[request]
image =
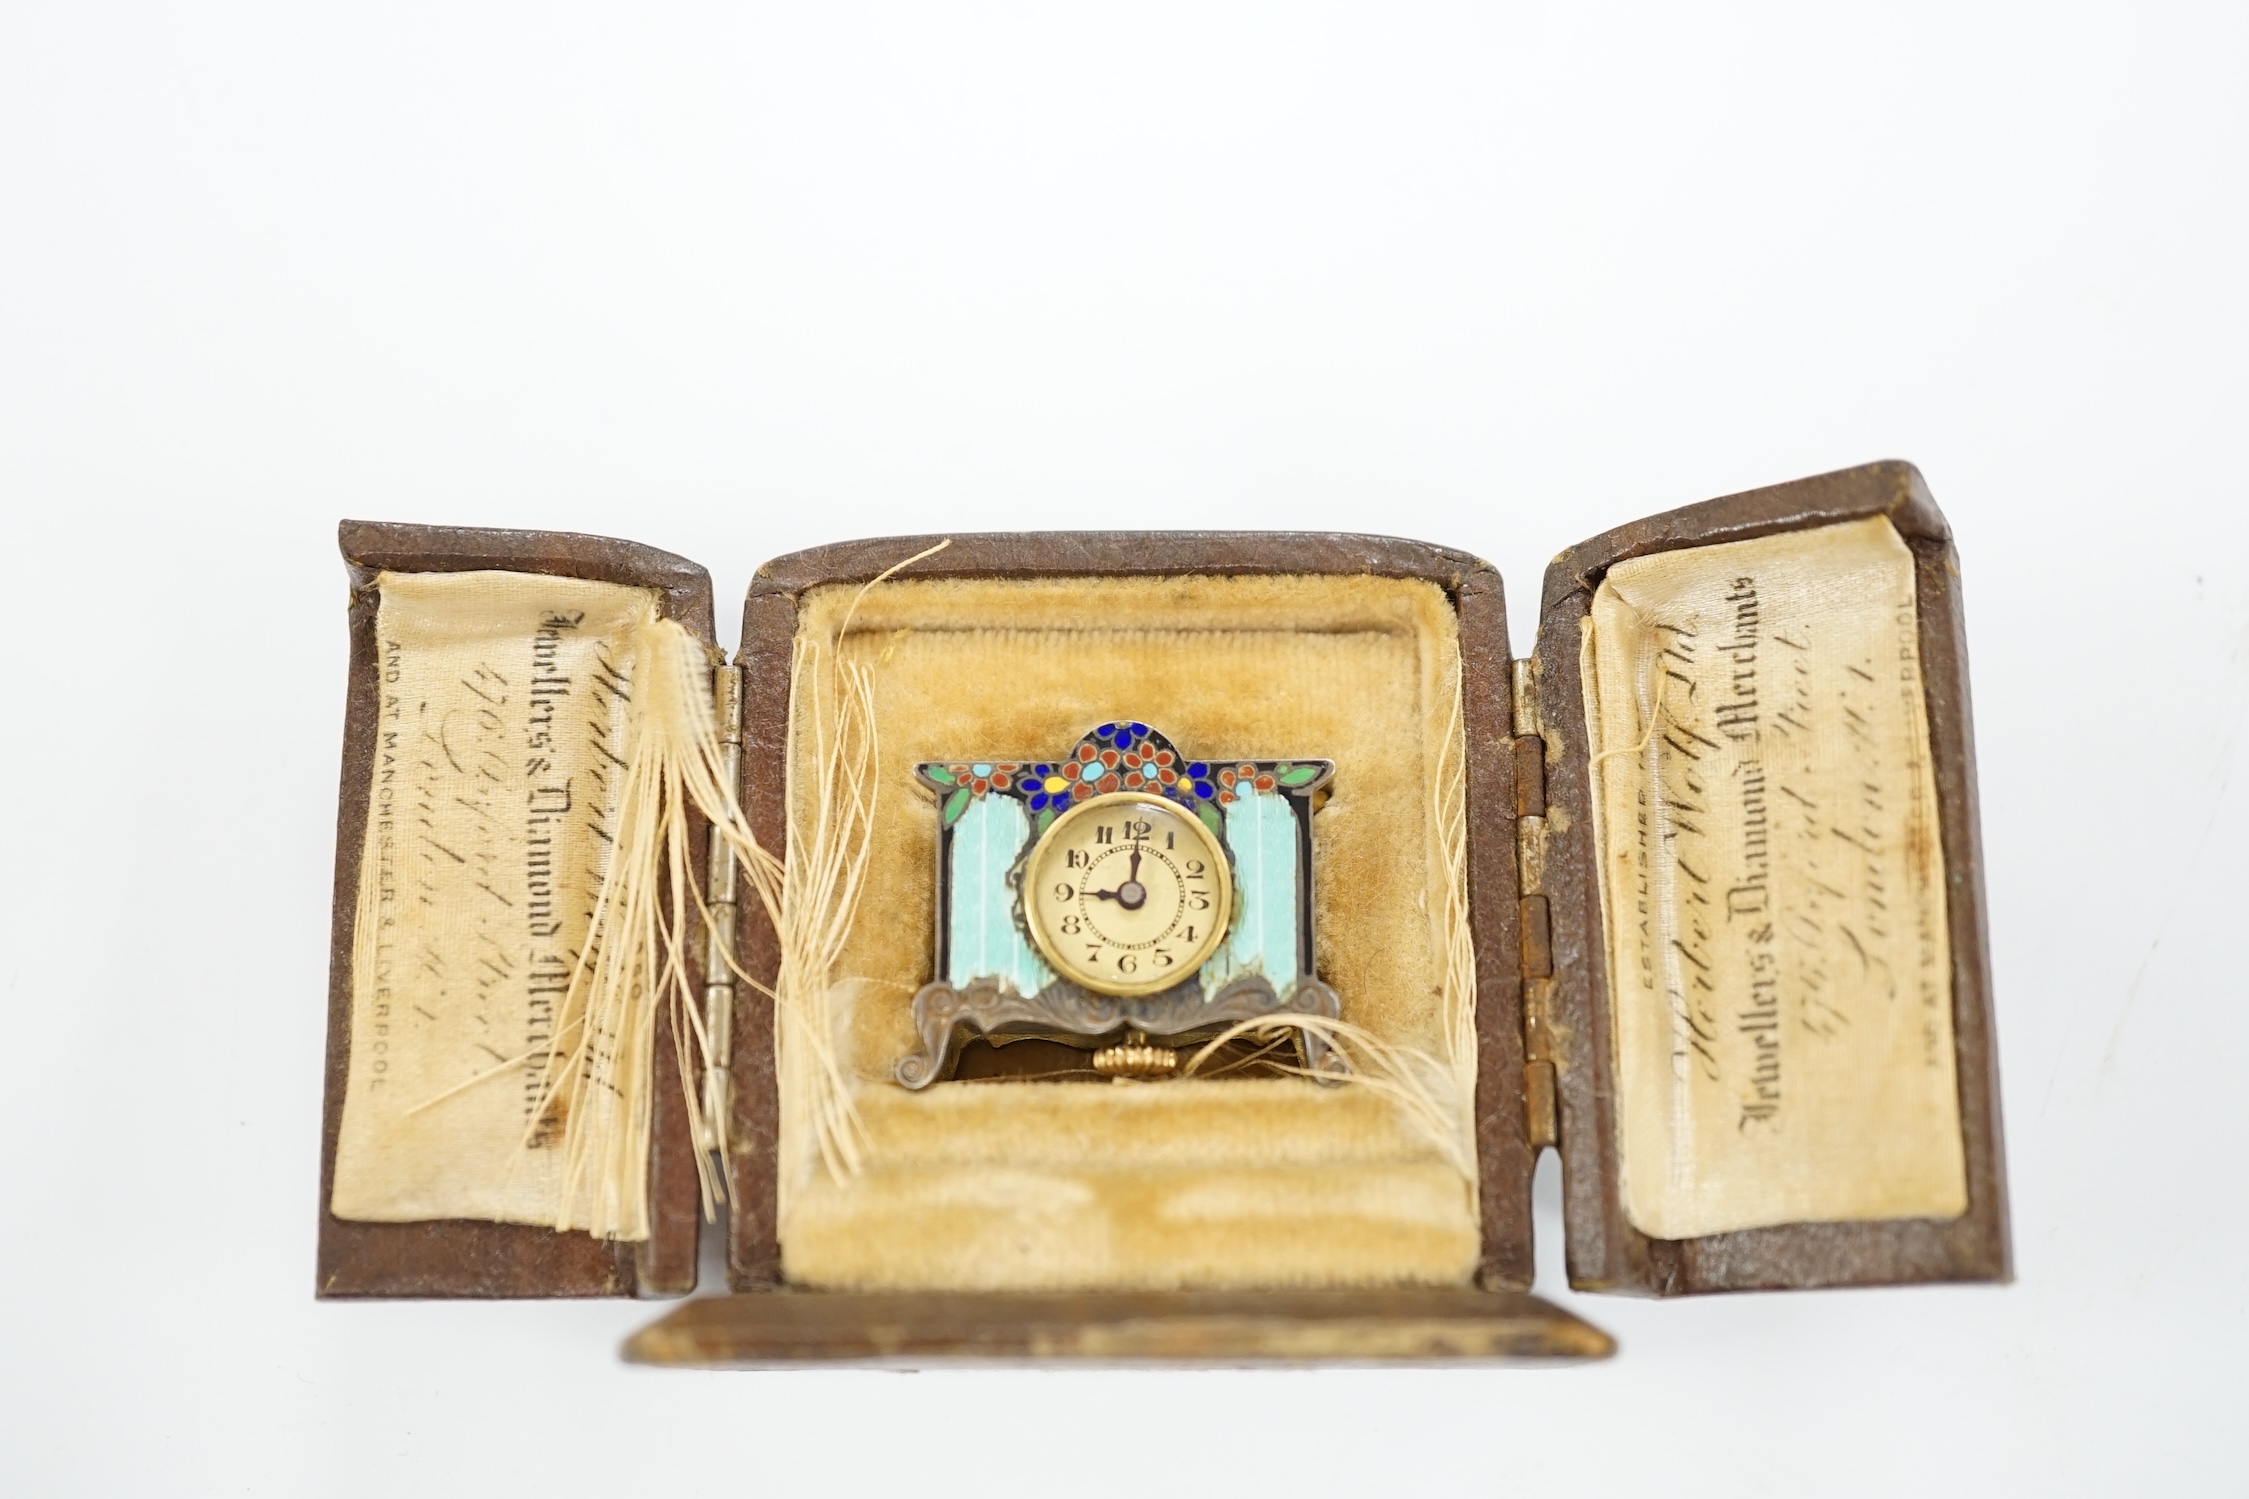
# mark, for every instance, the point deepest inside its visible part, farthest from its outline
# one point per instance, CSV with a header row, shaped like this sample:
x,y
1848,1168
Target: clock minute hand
x,y
1132,895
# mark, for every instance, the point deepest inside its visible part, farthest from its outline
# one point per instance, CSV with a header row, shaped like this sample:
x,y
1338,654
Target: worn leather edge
x,y
1052,554
458,1257
753,1162
769,619
1890,487
371,546
1504,1159
1604,1251
1174,1328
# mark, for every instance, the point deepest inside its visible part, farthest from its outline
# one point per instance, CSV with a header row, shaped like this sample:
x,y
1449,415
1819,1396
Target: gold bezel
x,y
1221,927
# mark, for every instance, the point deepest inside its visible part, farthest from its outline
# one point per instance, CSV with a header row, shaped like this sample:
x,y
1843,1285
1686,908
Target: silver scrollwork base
x,y
945,1017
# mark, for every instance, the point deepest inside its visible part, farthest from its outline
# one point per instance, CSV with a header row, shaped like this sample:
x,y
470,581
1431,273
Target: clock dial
x,y
1127,894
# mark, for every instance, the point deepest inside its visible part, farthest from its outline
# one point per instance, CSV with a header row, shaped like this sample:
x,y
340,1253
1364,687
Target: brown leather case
x,y
1544,1074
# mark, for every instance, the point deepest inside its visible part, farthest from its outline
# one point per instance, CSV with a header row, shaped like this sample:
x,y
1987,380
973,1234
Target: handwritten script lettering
x,y
1773,885
499,729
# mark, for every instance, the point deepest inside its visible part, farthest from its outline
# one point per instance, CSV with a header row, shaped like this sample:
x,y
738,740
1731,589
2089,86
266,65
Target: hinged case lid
x,y
1572,1016
451,1257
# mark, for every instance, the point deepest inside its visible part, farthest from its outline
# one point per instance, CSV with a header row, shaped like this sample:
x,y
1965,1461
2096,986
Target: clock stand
x,y
945,1017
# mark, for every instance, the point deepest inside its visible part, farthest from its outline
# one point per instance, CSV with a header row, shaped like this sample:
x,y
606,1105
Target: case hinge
x,y
1524,682
1543,1117
720,897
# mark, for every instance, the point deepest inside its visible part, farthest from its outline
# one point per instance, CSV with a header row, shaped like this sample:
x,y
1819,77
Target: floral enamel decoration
x,y
1119,756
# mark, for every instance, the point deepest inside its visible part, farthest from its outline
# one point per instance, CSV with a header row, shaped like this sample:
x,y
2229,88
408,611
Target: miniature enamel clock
x,y
1122,897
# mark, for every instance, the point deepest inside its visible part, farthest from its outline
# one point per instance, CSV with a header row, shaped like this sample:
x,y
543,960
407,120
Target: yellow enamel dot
x,y
1055,783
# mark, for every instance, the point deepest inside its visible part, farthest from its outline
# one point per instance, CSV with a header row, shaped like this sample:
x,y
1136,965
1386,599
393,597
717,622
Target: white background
x,y
735,280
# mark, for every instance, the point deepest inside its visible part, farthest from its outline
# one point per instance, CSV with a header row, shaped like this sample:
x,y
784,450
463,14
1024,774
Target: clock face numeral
x,y
1139,887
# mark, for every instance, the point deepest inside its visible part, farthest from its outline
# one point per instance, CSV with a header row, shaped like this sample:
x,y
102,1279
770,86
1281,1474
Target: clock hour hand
x,y
1132,895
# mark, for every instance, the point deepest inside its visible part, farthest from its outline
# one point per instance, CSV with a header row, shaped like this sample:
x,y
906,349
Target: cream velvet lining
x,y
1211,1182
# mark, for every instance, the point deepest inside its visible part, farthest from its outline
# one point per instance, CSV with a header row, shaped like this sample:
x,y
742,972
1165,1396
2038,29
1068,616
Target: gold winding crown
x,y
1136,1061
